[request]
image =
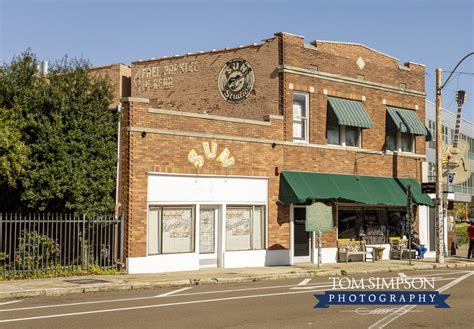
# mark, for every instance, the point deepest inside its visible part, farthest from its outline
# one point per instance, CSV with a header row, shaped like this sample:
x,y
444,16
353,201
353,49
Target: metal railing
x,y
59,243
463,189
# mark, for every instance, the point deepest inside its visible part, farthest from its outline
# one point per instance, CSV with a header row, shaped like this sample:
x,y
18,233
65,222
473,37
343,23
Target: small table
x,y
377,252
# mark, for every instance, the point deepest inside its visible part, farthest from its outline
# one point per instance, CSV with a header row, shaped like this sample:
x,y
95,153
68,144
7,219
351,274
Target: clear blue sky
x,y
433,32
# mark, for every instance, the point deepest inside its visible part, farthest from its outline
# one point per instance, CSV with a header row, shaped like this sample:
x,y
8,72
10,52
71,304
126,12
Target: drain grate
x,y
86,281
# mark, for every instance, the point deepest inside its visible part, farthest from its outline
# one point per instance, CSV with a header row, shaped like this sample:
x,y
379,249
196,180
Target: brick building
x,y
226,154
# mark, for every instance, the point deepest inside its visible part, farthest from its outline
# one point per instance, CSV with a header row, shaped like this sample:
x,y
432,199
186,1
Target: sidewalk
x,y
83,284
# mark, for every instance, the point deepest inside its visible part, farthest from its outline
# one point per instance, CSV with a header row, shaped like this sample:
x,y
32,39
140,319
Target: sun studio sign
x,y
236,81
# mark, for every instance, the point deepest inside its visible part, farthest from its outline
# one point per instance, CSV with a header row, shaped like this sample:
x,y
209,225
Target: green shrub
x,y
36,251
461,233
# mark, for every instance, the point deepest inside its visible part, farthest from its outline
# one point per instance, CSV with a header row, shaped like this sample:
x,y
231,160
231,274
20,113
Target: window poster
x,y
238,221
177,222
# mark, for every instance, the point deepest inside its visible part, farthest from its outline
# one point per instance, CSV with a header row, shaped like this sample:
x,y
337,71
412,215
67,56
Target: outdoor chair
x,y
346,248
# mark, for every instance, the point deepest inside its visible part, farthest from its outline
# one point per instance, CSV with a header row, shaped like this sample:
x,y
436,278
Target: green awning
x,y
302,187
406,121
350,113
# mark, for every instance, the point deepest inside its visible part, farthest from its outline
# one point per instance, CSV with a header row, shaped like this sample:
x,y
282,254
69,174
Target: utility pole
x,y
439,221
410,218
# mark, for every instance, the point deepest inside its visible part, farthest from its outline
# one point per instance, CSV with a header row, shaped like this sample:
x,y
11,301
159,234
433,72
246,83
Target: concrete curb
x,y
208,281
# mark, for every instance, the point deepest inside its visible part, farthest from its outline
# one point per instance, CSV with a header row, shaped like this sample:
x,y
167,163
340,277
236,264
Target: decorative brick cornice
x,y
266,141
339,78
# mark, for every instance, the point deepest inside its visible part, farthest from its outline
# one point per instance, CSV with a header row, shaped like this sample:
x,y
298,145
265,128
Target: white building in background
x,y
458,193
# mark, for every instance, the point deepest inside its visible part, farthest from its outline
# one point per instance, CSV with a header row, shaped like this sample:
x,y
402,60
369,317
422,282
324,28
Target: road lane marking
x,y
291,286
157,306
402,275
401,311
144,298
405,309
169,293
304,282
311,287
11,302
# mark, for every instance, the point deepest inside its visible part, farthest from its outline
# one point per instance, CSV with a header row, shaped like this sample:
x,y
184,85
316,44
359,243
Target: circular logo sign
x,y
236,81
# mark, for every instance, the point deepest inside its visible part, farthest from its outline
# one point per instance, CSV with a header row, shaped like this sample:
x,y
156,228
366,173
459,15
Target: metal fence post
x,y
122,238
83,252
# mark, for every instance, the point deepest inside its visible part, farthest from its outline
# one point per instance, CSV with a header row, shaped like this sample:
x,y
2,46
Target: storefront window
x,y
373,225
245,227
170,230
349,223
397,223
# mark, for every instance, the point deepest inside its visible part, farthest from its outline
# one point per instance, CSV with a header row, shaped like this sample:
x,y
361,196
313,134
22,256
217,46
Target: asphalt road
x,y
264,304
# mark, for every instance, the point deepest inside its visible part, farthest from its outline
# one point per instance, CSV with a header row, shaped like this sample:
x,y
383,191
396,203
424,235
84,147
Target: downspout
x,y
117,179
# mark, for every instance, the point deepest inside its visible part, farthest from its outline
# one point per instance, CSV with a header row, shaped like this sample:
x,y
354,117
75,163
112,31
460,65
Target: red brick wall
x,y
196,89
196,92
119,77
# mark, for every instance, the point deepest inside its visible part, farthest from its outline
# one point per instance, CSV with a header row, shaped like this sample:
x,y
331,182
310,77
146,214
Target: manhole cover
x,y
86,281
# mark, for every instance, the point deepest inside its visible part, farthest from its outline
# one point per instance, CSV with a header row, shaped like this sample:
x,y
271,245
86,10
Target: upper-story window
x,y
432,129
345,120
402,127
444,131
300,117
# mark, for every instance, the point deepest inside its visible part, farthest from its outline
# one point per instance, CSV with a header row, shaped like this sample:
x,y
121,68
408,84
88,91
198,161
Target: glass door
x,y
208,236
301,238
207,231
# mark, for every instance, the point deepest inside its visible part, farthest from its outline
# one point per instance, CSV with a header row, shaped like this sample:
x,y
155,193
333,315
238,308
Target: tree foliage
x,y
13,151
70,133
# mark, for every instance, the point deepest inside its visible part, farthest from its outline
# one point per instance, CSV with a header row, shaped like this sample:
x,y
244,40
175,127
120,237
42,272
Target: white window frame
x,y
342,137
264,228
445,134
304,119
399,143
160,228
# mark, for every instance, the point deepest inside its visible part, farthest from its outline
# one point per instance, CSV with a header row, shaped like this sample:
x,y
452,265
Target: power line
x,y
471,73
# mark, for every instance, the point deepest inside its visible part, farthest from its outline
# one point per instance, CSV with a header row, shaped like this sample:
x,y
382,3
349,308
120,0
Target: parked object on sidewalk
x,y
399,247
348,248
378,252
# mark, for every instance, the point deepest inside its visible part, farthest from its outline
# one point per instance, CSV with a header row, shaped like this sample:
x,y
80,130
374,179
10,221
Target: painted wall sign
x,y
319,217
161,76
236,81
210,152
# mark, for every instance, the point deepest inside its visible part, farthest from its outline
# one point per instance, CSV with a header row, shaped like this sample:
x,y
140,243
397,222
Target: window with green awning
x,y
303,187
406,121
350,113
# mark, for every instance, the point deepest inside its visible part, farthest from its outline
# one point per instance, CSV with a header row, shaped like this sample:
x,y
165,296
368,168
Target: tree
x,y
71,135
13,151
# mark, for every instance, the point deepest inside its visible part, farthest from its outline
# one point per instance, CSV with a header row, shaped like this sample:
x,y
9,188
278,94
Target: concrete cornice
x,y
135,99
266,141
348,80
215,117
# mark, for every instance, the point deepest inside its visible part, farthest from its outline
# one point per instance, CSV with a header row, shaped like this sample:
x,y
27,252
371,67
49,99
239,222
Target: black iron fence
x,y
59,243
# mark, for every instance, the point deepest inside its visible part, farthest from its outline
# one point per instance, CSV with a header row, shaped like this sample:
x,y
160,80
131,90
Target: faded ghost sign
x,y
236,81
158,77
